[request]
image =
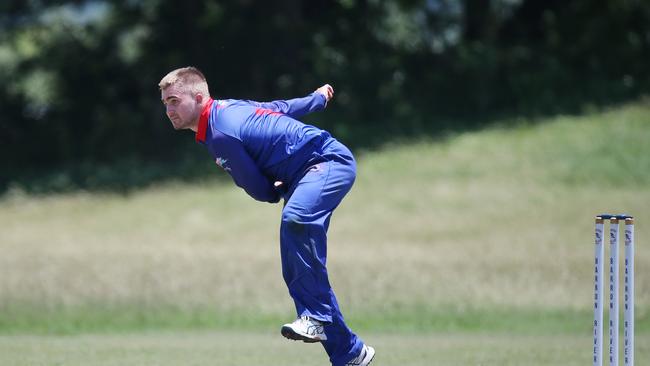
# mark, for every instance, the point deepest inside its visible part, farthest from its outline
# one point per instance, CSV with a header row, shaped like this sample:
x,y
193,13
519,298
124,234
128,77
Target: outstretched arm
x,y
299,107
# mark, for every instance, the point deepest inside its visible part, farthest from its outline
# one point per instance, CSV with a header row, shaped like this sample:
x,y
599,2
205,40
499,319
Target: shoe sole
x,y
289,333
370,355
367,357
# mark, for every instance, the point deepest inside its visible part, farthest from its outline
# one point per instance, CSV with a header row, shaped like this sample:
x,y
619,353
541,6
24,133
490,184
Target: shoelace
x,y
313,326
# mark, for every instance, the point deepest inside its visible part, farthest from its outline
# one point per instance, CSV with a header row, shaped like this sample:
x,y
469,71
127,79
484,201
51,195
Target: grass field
x,y
476,249
237,348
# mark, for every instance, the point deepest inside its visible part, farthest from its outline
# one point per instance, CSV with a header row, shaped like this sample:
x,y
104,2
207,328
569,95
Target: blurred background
x,y
488,135
81,109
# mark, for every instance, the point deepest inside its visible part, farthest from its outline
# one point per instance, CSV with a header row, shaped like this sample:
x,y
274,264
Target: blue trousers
x,y
303,244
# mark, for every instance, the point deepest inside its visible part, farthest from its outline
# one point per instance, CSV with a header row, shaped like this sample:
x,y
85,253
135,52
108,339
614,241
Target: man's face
x,y
181,108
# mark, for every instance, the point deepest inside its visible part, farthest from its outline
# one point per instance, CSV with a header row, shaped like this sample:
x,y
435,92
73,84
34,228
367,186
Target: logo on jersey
x,y
222,163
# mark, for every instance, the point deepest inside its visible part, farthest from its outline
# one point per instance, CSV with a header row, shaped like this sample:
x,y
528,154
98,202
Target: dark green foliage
x,y
79,78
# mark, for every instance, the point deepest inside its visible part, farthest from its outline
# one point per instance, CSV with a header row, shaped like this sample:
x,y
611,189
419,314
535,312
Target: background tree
x,y
80,106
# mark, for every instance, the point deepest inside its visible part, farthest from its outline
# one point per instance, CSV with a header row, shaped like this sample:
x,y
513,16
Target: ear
x,y
198,98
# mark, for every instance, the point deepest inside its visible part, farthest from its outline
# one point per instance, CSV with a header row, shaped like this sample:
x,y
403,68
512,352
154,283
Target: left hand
x,y
327,91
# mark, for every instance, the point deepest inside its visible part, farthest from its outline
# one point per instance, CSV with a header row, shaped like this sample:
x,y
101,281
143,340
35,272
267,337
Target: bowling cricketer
x,y
270,154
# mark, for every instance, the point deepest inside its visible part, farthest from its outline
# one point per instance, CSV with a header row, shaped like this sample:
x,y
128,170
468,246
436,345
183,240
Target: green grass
x,y
412,319
264,348
483,235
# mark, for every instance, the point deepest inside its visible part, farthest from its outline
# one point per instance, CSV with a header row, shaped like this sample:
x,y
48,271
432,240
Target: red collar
x,y
203,122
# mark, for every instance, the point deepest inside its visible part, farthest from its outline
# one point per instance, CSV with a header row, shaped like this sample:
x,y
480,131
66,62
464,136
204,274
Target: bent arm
x,y
233,158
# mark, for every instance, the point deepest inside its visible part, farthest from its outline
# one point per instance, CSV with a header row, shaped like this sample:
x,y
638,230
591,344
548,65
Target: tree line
x,y
79,78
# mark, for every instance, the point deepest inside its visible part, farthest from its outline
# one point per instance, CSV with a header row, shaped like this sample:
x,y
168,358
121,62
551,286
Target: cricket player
x,y
272,155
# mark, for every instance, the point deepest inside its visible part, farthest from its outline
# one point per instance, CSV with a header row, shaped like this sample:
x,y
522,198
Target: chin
x,y
177,126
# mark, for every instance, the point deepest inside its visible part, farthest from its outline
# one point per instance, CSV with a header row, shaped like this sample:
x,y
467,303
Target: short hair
x,y
189,78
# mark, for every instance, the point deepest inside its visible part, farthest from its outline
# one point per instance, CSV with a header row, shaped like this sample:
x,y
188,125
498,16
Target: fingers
x,y
330,90
327,91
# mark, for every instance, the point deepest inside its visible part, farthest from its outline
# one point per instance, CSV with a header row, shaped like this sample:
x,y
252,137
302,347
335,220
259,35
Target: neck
x,y
195,124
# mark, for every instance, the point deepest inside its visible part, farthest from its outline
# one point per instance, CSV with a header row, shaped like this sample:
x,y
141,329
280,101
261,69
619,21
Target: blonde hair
x,y
189,79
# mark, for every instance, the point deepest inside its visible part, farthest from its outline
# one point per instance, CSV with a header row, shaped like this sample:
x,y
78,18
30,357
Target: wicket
x,y
628,305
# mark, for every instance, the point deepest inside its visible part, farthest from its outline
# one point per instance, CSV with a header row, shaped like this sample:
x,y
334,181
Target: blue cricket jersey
x,y
260,143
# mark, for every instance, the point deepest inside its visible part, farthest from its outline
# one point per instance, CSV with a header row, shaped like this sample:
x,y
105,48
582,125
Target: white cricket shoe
x,y
304,329
364,358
